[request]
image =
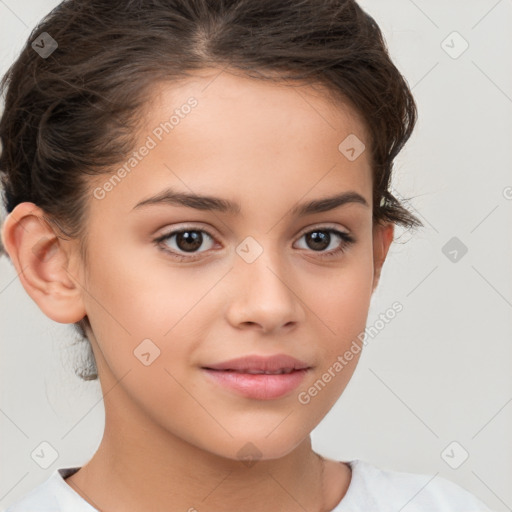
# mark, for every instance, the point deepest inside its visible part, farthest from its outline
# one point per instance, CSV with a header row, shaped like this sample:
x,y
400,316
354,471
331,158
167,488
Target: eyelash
x,y
347,240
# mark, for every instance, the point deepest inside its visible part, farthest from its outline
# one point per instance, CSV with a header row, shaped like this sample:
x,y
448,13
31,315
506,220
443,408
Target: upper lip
x,y
260,363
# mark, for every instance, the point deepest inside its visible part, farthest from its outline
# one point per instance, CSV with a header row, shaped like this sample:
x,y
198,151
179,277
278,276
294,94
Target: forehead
x,y
217,131
233,94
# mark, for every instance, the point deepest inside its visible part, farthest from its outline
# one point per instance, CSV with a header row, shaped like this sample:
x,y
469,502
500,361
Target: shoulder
x,y
373,488
52,495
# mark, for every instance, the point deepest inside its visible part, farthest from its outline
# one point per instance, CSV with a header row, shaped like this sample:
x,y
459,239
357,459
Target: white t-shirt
x,y
371,490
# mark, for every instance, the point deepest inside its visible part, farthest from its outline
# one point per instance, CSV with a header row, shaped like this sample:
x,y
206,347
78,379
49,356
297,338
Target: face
x,y
177,286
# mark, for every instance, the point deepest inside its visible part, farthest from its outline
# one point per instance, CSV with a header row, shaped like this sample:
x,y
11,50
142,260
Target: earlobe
x,y
42,261
382,238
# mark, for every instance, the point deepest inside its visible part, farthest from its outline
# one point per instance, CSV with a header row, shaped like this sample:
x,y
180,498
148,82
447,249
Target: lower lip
x,y
259,386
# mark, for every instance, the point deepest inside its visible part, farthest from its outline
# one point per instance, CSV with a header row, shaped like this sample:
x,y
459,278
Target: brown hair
x,y
74,113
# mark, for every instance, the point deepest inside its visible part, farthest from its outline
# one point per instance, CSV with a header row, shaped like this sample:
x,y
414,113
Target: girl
x,y
203,188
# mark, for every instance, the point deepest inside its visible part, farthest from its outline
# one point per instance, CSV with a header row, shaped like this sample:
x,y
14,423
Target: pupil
x,y
189,240
320,239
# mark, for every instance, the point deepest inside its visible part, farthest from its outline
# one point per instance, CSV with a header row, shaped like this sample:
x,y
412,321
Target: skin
x,y
172,437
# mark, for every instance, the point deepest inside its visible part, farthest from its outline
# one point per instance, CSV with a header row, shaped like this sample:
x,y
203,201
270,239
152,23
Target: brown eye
x,y
182,241
318,240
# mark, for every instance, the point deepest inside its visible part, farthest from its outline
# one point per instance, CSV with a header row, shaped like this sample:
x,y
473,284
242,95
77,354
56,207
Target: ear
x,y
382,238
44,263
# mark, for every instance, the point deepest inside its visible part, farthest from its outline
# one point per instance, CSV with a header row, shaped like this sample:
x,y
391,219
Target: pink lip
x,y
259,387
233,374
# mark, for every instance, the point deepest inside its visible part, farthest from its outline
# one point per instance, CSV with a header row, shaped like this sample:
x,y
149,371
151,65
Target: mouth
x,y
275,364
256,372
257,377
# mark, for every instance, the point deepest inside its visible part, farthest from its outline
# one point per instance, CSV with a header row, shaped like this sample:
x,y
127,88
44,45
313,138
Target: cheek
x,y
135,295
341,298
130,302
341,304
342,308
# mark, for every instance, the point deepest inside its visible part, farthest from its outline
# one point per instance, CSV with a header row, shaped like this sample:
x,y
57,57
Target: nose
x,y
264,294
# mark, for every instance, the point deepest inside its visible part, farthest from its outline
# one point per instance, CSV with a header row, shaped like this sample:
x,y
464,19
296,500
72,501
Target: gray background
x,y
440,371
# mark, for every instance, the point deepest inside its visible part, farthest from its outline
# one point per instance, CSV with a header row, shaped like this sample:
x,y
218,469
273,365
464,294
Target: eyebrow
x,y
210,203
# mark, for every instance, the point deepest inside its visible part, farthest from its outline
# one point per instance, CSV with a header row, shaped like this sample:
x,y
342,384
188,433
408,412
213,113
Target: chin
x,y
251,449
